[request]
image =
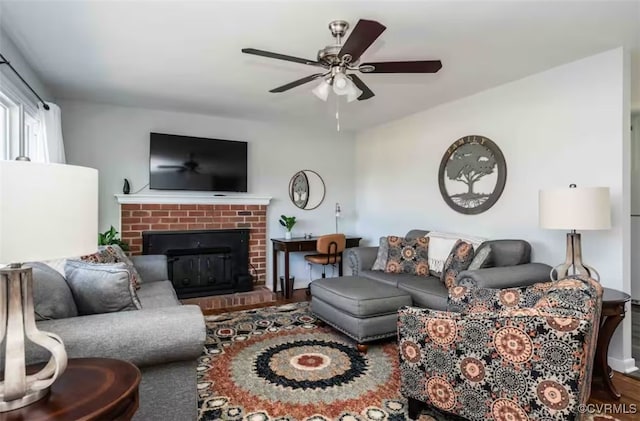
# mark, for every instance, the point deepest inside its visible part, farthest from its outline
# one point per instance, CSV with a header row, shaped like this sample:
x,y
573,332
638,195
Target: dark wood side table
x,y
613,310
296,245
89,389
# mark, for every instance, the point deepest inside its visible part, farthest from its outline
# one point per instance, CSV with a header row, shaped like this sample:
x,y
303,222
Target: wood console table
x,y
89,389
297,245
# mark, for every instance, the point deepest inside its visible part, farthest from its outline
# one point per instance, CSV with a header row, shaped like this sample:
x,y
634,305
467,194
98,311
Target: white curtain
x,y
51,121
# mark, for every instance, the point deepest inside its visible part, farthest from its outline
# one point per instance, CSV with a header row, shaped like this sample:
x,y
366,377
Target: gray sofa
x,y
365,305
510,266
164,339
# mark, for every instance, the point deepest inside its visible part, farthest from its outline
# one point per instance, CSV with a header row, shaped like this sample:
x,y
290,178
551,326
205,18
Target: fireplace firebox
x,y
203,262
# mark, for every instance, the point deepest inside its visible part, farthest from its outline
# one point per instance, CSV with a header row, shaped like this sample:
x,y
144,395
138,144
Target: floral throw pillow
x,y
408,256
459,259
100,256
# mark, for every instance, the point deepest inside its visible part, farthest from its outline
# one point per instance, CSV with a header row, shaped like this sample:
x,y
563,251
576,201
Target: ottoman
x,y
359,307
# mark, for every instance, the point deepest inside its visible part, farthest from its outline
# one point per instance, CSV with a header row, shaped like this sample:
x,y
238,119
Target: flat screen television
x,y
195,163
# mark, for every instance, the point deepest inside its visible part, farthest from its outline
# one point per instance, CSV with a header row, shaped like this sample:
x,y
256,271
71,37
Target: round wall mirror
x,y
306,189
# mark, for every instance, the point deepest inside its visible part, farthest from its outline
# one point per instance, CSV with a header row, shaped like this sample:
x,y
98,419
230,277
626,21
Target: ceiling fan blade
x,y
269,54
424,66
297,83
362,36
366,92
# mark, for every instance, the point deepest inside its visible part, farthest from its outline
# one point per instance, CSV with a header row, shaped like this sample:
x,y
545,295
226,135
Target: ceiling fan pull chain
x,y
337,113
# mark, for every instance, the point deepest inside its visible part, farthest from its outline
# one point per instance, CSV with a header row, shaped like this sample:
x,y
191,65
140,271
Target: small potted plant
x,y
111,237
288,222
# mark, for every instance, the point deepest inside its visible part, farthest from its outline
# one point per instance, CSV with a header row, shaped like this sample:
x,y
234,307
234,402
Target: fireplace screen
x,y
201,263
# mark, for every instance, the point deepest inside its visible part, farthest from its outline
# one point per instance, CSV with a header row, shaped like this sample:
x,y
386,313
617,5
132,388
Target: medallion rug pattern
x,y
278,363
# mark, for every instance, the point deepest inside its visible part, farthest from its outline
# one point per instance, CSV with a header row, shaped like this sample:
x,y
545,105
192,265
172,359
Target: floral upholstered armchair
x,y
512,354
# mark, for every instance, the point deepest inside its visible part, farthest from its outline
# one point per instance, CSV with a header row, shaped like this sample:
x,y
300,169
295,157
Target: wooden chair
x,y
329,250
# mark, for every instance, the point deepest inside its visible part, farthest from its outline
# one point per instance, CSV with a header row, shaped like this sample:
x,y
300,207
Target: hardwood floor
x,y
628,386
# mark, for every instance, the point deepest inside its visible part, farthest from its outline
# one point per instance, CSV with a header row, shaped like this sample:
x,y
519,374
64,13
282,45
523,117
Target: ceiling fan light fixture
x,y
322,90
341,84
353,93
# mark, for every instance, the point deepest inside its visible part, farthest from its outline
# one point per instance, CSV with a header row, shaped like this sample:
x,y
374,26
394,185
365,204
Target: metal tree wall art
x,y
306,189
299,192
472,174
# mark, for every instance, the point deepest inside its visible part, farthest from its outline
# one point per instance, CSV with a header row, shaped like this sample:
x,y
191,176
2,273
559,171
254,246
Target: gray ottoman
x,y
359,307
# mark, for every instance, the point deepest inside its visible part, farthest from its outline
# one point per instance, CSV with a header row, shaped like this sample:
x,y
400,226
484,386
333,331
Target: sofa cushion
x,y
56,264
101,287
157,294
482,258
383,254
390,279
415,233
114,254
408,255
425,292
100,256
52,298
359,296
508,252
459,259
440,246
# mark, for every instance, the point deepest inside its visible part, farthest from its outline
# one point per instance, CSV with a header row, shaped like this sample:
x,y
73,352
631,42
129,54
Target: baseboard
x,y
623,366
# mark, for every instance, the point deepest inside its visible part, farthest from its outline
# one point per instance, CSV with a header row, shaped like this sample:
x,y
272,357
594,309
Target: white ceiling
x,y
185,55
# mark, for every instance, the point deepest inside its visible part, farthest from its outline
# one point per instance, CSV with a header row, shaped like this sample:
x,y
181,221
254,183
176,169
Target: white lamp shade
x,y
47,211
322,90
578,208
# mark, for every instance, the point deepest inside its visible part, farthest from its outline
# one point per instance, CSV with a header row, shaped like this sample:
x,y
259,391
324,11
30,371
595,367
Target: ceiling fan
x,y
339,59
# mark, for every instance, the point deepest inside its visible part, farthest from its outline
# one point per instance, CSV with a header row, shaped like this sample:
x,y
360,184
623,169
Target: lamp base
x,y
573,261
26,400
17,323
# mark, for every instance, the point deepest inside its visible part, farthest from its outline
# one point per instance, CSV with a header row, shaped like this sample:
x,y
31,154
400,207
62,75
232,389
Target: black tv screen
x,y
195,163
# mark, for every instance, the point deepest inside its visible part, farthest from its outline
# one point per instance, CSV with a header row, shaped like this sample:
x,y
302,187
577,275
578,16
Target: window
x,y
4,132
35,147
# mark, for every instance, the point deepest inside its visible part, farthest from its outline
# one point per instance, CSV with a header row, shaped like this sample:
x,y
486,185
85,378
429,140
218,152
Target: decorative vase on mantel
x,y
287,235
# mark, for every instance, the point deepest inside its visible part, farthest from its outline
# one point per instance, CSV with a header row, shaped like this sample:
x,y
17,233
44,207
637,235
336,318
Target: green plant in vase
x,y
288,222
110,237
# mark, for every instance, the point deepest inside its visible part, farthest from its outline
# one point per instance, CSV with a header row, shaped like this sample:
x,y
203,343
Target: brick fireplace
x,y
139,213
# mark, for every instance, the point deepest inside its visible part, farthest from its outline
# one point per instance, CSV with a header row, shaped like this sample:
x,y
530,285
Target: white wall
x,y
635,206
11,53
115,140
558,127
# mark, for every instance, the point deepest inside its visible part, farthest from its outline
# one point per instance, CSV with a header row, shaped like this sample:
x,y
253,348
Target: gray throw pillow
x,y
52,297
481,259
101,287
383,255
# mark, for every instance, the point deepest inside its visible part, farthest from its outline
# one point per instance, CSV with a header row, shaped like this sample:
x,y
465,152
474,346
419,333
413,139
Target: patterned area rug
x,y
276,363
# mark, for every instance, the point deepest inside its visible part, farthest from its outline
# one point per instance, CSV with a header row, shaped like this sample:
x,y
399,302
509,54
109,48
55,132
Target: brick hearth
x,y
136,218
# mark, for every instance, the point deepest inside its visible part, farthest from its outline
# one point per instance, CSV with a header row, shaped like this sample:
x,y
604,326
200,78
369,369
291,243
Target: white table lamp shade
x,y
47,211
577,208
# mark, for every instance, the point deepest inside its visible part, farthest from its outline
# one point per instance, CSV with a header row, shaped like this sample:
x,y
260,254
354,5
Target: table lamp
x,y
47,211
574,208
